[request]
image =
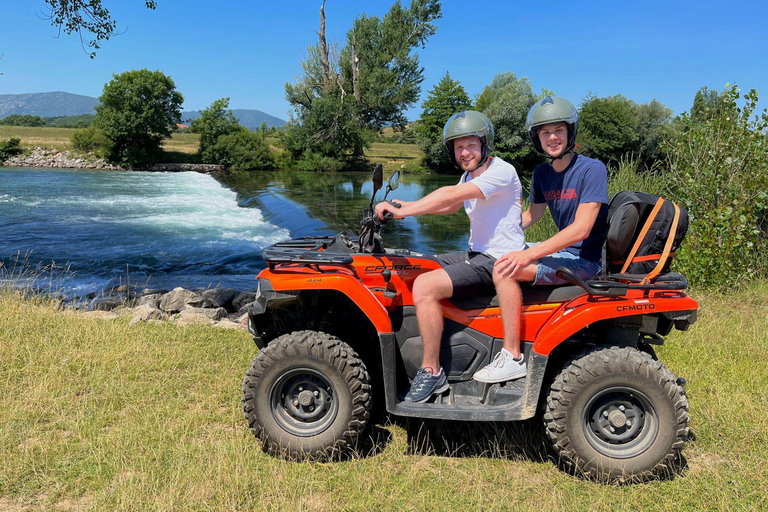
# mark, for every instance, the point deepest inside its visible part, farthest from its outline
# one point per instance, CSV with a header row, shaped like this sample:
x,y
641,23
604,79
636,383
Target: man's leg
x,y
428,290
509,363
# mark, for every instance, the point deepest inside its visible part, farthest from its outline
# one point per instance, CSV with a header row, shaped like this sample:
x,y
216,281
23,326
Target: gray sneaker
x,y
425,385
504,367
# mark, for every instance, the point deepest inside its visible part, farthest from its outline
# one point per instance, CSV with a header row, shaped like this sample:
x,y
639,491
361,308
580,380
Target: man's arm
x,y
443,200
586,214
533,214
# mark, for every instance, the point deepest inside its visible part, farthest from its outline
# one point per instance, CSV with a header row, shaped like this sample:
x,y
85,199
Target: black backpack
x,y
642,234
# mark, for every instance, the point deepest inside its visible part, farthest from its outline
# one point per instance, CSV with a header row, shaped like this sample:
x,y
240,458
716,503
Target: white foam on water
x,y
187,203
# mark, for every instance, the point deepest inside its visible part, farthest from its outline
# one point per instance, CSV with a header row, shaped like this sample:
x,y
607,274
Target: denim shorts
x,y
548,265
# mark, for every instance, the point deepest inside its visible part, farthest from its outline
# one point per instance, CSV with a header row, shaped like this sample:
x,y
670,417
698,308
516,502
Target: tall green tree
x,y
137,110
85,16
345,95
214,121
445,99
609,127
506,101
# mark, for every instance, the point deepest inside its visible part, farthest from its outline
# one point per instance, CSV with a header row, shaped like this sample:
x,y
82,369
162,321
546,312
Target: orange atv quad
x,y
335,321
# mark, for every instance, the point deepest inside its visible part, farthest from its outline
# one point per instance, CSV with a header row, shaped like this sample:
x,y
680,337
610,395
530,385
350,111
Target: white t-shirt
x,y
496,222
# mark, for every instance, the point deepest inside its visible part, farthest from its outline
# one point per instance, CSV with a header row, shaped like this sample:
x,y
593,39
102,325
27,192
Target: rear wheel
x,y
616,414
307,396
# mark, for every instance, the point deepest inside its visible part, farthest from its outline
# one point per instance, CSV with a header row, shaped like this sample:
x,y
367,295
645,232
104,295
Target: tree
x,y
706,104
345,96
445,99
506,101
653,126
137,110
22,120
84,16
609,127
214,121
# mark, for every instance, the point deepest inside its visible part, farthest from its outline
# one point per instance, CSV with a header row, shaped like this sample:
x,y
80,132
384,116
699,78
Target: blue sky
x,y
247,50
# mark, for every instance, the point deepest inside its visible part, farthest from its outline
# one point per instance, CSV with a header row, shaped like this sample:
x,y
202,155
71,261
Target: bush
x,y
718,170
311,161
242,151
90,140
9,148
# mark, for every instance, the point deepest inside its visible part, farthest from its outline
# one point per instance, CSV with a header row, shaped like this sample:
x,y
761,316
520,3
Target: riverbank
x,y
42,158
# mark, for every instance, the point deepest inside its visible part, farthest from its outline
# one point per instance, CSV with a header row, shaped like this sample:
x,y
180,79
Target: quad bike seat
x,y
531,295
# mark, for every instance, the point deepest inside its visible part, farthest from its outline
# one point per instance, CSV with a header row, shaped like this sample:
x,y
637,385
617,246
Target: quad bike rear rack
x,y
309,250
617,285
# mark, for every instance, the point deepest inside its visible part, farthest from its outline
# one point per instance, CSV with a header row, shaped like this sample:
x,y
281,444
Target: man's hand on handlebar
x,y
388,207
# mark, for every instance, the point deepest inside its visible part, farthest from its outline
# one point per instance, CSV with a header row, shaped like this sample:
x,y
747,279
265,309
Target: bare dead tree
x,y
324,60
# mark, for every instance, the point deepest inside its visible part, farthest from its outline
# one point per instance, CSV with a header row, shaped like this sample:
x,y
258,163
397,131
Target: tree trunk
x,y
325,61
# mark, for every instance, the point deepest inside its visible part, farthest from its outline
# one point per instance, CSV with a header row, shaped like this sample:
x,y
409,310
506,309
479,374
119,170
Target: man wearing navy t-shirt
x,y
575,189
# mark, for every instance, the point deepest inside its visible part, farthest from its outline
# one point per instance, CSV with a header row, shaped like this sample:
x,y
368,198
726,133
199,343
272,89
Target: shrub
x,y
242,151
90,140
9,148
718,170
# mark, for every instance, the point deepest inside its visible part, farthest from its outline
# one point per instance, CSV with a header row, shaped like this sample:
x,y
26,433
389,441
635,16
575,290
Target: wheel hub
x,y
303,402
620,422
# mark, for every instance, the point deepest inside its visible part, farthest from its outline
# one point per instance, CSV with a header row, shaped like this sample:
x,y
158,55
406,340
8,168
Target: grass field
x,y
60,138
100,415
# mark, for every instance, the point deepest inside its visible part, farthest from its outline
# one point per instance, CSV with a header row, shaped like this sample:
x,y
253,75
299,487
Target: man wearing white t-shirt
x,y
491,194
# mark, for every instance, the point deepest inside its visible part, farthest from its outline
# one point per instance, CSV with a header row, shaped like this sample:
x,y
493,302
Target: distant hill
x,y
46,104
56,104
251,119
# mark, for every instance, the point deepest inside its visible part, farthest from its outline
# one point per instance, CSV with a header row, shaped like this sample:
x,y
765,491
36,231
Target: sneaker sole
x,y
501,379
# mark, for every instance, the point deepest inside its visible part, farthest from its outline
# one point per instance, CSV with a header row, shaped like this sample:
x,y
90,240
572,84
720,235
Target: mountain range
x,y
54,104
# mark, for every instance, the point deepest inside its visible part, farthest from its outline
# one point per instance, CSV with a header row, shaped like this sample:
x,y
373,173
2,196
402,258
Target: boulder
x,y
209,314
151,299
147,313
106,303
219,298
179,298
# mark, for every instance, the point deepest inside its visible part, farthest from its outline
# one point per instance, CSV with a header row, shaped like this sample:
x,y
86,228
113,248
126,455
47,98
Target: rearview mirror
x,y
378,177
394,181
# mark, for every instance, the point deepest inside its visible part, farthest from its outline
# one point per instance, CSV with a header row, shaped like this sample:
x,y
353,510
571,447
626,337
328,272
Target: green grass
x,y
106,416
395,157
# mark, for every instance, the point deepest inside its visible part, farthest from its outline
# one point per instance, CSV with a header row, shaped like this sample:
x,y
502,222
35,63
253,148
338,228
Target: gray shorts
x,y
548,265
471,272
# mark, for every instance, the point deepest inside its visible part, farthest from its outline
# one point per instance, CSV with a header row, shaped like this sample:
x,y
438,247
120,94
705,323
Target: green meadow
x,y
102,415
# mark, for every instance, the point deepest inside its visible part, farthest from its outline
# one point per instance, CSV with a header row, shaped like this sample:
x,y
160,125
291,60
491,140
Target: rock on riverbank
x,y
221,307
41,158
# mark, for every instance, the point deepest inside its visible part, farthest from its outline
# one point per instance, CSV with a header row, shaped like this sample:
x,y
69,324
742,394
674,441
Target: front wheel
x,y
616,414
307,396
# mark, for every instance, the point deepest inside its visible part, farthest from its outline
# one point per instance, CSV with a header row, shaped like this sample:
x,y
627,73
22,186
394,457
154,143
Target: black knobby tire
x,y
617,414
307,396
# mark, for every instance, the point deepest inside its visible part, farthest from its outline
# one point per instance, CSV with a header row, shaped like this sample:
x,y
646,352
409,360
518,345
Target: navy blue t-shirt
x,y
585,180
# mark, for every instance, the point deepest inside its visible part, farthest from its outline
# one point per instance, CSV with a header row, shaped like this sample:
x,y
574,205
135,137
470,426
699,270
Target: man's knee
x,y
428,287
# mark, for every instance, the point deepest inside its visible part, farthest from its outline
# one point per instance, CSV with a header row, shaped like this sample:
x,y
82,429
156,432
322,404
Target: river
x,y
84,231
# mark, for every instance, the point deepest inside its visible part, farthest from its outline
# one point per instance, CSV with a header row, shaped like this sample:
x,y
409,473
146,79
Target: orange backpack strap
x,y
642,234
667,247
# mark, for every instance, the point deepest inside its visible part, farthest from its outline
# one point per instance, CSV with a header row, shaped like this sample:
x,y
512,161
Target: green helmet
x,y
552,110
469,123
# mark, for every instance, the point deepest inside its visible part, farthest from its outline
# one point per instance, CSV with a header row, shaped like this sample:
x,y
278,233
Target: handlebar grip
x,y
395,204
388,217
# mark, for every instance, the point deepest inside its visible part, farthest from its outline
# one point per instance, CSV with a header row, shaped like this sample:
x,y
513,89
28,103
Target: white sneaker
x,y
504,367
